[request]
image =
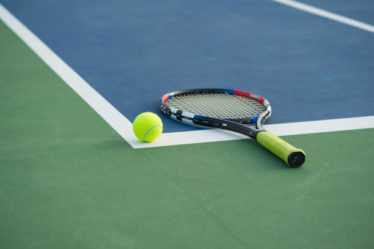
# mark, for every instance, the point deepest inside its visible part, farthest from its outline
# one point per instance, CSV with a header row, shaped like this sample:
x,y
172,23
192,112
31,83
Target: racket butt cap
x,y
296,159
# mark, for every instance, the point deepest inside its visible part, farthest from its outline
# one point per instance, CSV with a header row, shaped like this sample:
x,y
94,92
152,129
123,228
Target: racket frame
x,y
238,125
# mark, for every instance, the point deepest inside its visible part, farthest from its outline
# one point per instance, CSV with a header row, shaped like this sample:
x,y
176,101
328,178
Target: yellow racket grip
x,y
293,156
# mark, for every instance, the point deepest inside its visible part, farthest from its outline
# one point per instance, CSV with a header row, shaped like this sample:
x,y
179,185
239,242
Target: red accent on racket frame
x,y
250,95
165,98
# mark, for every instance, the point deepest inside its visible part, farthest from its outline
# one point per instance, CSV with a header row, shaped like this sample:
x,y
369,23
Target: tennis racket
x,y
232,110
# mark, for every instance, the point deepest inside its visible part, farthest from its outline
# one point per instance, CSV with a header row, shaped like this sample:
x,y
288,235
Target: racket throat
x,y
226,125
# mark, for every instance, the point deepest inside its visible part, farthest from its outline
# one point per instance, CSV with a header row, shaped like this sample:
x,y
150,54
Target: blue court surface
x,y
132,52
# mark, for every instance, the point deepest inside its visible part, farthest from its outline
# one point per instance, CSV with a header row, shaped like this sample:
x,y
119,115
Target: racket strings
x,y
217,105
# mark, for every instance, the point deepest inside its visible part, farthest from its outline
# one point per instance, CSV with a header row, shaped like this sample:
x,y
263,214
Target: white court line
x,y
124,127
286,129
110,114
327,14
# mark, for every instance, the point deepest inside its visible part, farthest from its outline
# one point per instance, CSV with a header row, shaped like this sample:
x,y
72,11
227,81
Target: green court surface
x,y
67,180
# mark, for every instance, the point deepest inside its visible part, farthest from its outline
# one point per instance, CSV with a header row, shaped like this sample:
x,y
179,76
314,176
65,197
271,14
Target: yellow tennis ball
x,y
147,127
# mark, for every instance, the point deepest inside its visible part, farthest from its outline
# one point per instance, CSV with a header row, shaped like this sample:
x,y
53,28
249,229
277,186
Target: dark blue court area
x,y
132,52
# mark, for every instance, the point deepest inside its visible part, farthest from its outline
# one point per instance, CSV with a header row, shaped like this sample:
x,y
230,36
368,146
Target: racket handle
x,y
293,156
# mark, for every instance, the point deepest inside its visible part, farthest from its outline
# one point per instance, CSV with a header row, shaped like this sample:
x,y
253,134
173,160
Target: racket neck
x,y
227,125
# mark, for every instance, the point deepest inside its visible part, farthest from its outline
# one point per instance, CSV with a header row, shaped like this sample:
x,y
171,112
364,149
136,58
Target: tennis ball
x,y
147,127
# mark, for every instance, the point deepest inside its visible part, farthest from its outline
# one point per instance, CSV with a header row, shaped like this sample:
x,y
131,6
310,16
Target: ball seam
x,y
146,133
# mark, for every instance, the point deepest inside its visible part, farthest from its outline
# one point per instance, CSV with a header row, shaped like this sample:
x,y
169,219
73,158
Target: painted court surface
x,y
72,175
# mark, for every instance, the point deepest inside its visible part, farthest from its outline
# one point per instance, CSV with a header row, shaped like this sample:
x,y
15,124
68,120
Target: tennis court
x,y
75,74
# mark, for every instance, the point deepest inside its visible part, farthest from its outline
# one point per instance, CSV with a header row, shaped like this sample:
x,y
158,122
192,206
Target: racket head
x,y
225,104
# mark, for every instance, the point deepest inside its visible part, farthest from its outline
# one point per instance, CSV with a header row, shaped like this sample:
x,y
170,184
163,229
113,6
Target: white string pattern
x,y
217,105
